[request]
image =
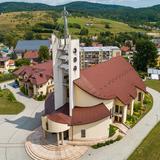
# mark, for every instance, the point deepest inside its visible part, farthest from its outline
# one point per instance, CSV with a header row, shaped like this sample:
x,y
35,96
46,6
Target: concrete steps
x,y
37,148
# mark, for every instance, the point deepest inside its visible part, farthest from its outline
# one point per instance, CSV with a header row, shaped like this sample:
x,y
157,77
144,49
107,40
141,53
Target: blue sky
x,y
133,3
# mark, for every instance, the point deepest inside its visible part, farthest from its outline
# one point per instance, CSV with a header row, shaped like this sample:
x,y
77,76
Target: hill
x,y
115,12
42,22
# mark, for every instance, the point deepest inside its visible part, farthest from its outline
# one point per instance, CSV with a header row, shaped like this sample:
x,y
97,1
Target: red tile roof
x,y
11,62
115,78
80,115
125,49
31,54
86,115
59,118
37,74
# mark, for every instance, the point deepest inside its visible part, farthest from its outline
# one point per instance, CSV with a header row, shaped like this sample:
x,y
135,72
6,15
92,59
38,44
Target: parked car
x,y
15,85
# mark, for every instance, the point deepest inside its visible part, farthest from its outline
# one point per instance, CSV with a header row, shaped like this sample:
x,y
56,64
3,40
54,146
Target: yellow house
x,y
37,80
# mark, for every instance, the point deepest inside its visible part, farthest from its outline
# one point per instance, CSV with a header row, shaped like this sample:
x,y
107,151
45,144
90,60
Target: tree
x,y
145,56
84,31
29,35
43,53
10,39
38,36
22,62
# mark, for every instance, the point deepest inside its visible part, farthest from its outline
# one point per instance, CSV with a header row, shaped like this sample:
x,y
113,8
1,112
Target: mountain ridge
x,y
83,8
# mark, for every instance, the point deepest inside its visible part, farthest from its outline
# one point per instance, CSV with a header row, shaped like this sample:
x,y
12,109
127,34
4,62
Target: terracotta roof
x,y
37,74
86,115
59,118
80,115
112,79
31,55
11,62
125,49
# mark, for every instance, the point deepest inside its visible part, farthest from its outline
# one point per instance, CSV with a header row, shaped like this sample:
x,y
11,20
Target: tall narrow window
x,y
116,108
139,96
47,126
83,133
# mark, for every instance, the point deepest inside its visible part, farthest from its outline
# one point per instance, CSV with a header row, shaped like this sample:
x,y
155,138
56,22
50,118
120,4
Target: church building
x,y
88,101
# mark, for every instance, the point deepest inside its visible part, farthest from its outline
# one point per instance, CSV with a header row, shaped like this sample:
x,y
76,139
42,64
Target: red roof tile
x,y
31,54
37,74
115,78
86,115
125,49
60,118
80,115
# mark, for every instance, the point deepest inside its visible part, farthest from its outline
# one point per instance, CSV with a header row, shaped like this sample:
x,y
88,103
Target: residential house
x,y
37,79
32,56
6,64
30,45
153,73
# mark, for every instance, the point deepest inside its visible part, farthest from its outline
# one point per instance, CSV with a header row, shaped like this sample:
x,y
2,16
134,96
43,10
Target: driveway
x,y
15,129
121,150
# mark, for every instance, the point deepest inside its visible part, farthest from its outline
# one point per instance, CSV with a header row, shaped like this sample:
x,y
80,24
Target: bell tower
x,y
66,66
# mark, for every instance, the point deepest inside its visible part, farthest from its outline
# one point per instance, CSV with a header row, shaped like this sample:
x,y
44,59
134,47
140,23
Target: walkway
x,y
121,150
15,129
123,128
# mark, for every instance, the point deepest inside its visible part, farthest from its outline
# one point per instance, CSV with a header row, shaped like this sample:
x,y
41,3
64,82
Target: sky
x,y
132,3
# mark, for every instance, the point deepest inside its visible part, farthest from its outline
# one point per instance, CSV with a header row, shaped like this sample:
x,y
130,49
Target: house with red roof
x,y
6,64
31,55
36,80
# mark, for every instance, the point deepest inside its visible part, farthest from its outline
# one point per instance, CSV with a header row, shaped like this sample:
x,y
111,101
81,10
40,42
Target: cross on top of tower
x,y
66,31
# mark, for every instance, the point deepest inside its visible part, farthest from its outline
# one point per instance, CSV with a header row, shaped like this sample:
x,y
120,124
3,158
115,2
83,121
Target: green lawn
x,y
99,25
154,84
8,103
149,149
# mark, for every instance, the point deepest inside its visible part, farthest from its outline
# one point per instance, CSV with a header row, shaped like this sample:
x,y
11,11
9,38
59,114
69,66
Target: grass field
x,y
8,104
154,84
149,149
98,25
20,22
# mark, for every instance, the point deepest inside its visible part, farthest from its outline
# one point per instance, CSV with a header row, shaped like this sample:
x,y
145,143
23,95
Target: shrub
x,y
147,99
40,97
84,31
22,62
119,138
6,77
23,90
98,145
112,130
11,97
137,106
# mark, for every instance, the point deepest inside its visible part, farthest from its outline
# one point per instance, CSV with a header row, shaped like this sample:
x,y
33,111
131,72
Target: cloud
x,y
133,3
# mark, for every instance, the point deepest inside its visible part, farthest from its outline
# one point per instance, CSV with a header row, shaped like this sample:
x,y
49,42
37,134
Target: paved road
x,y
15,129
122,149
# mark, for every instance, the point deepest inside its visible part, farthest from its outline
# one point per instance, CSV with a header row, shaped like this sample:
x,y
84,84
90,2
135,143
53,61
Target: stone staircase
x,y
37,148
122,128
